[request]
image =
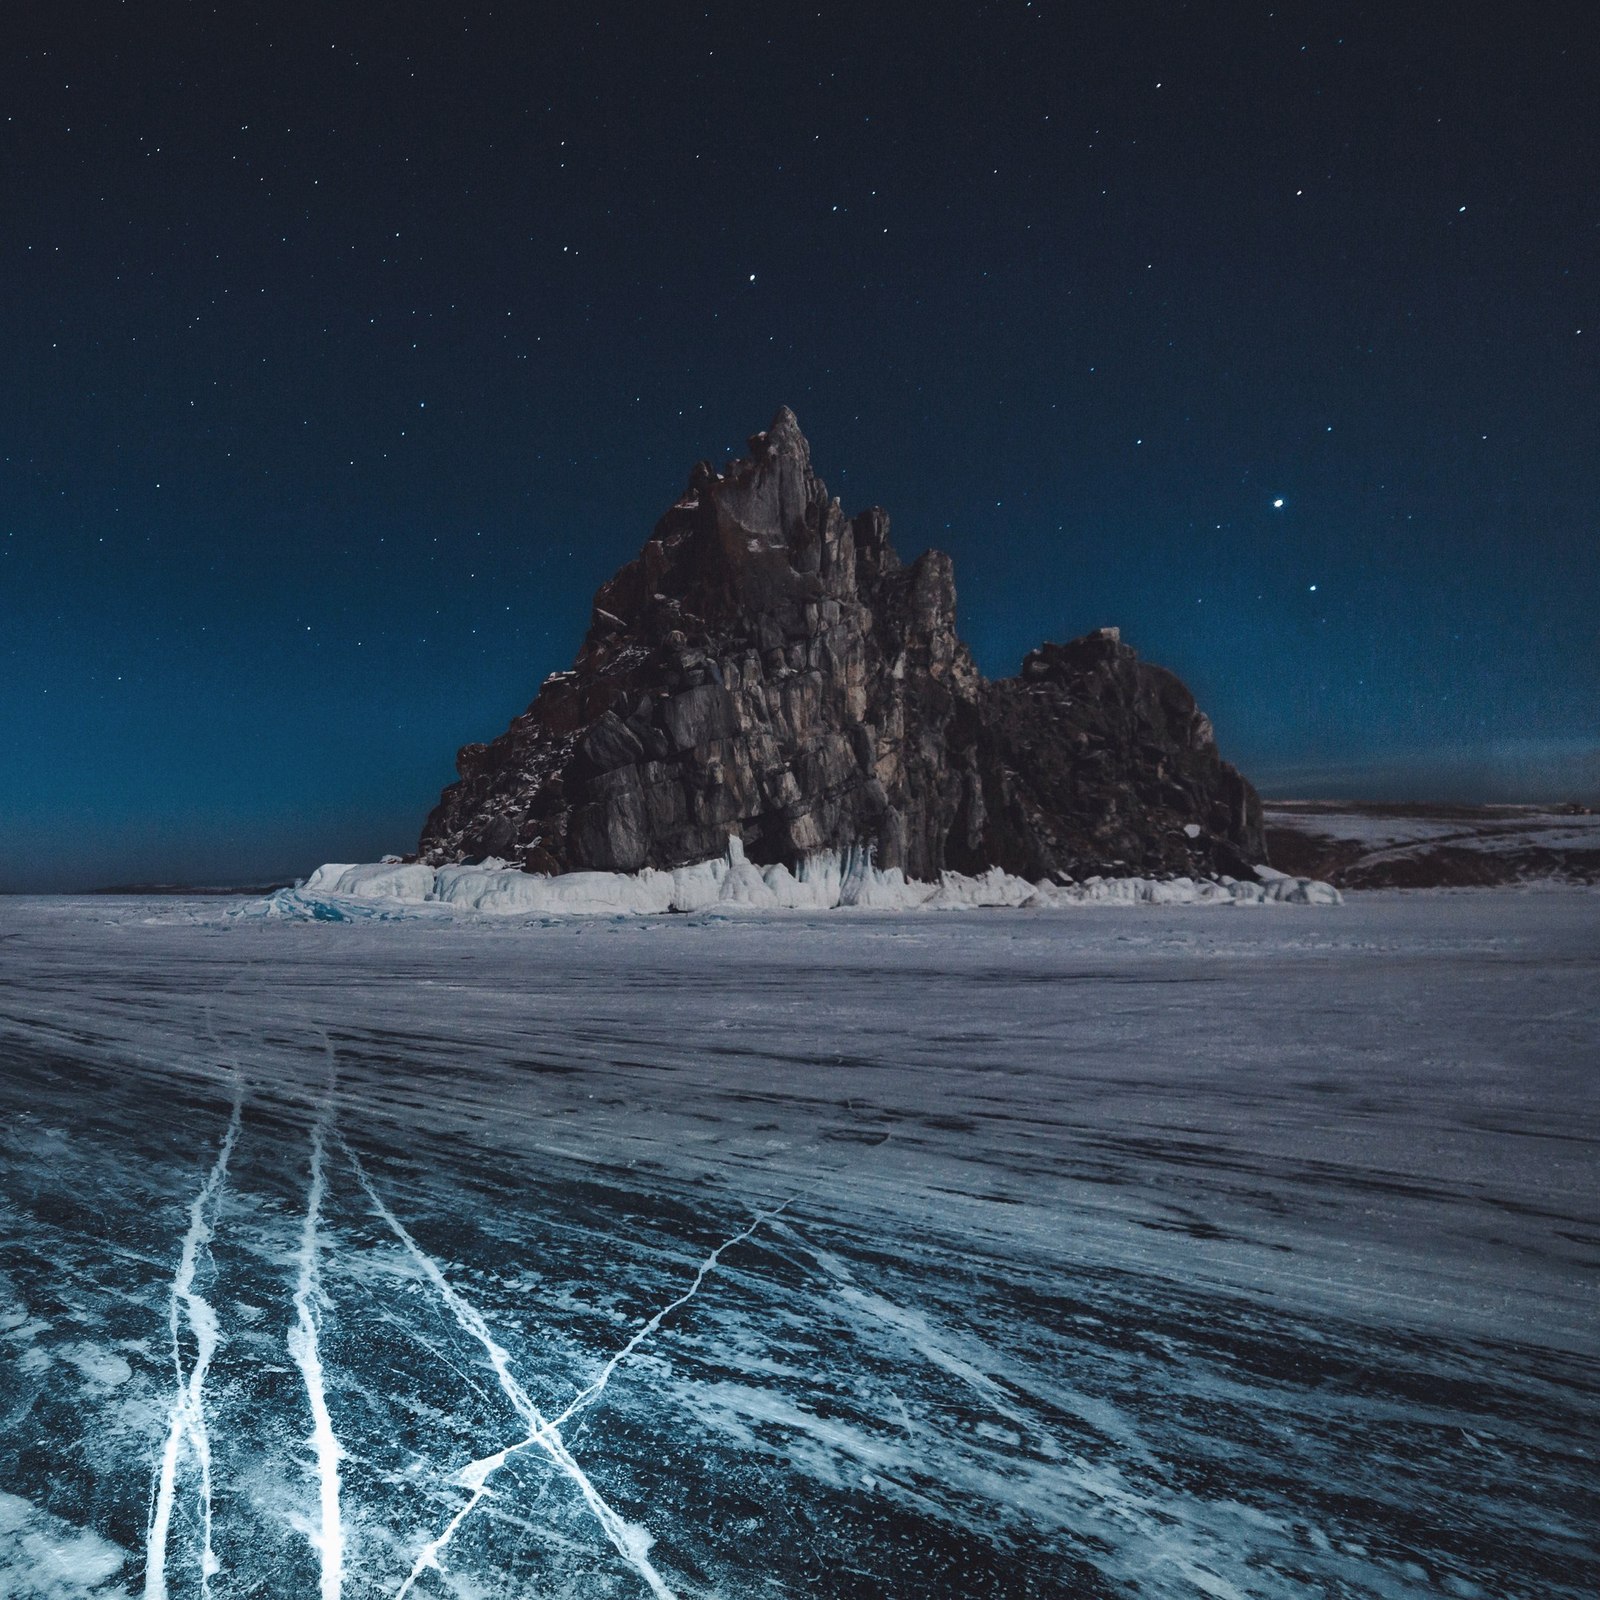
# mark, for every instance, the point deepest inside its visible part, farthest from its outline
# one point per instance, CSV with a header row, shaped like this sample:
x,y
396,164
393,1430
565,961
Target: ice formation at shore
x,y
827,881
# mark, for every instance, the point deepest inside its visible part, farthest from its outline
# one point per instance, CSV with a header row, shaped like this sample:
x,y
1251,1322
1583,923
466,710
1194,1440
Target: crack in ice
x,y
586,1397
186,1421
309,1300
631,1541
476,1474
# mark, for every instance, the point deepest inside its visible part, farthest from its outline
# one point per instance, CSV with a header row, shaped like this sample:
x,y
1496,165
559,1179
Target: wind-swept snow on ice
x,y
1153,1252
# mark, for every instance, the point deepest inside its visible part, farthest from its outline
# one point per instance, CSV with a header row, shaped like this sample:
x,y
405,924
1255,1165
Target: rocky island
x,y
767,670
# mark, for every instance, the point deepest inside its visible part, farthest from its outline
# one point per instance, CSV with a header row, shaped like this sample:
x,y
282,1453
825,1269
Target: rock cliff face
x,y
767,667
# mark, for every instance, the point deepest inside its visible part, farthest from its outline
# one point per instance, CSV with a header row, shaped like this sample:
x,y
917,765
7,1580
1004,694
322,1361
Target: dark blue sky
x,y
344,358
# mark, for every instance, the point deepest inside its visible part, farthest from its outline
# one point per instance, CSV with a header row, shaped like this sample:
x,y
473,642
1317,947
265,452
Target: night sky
x,y
346,353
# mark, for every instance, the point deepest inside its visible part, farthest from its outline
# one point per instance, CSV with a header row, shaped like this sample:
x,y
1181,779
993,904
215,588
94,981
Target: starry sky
x,y
347,350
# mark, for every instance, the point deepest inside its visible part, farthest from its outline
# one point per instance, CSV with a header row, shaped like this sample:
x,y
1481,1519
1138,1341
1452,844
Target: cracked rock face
x,y
767,668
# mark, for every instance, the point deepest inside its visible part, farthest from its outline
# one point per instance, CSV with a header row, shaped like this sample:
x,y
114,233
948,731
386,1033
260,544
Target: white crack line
x,y
186,1421
476,1474
328,1538
631,1541
588,1396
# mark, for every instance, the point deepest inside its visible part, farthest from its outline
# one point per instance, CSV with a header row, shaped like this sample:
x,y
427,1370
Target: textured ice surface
x,y
1163,1252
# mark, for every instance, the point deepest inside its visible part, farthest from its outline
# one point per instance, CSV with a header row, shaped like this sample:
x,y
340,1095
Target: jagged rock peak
x,y
781,447
767,669
783,436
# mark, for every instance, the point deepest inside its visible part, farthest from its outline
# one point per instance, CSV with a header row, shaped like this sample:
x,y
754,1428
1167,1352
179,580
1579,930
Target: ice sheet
x,y
1156,1252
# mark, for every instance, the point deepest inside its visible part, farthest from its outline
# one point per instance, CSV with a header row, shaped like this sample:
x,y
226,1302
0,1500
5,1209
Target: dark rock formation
x,y
767,667
1094,761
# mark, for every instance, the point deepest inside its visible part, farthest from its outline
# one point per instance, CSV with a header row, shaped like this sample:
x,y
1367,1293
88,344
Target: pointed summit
x,y
785,427
773,495
782,438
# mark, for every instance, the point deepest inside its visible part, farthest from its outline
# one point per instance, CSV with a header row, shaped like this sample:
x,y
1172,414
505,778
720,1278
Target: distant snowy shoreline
x,y
828,881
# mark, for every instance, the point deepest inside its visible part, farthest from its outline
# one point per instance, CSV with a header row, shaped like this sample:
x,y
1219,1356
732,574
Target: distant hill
x,y
1422,846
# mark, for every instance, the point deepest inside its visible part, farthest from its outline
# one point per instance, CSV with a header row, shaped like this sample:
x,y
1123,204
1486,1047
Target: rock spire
x,y
767,668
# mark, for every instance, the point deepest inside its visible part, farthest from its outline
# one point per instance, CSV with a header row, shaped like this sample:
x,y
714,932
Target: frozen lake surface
x,y
1143,1251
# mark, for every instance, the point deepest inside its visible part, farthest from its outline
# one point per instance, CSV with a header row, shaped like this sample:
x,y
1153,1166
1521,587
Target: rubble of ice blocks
x,y
829,880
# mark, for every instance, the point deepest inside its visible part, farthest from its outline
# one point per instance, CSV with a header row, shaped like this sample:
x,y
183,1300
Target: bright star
x,y
1277,505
